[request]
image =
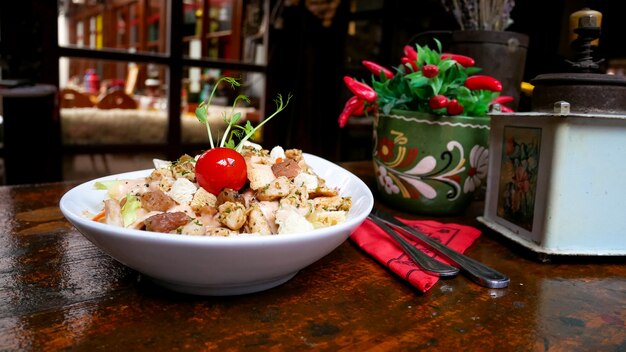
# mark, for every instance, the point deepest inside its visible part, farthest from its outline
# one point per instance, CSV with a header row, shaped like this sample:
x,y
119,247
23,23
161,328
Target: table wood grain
x,y
59,292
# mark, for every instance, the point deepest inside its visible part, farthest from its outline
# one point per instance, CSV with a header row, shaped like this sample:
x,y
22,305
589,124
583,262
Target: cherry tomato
x,y
220,168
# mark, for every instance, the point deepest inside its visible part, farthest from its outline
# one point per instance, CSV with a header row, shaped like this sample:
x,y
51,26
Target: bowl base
x,y
225,290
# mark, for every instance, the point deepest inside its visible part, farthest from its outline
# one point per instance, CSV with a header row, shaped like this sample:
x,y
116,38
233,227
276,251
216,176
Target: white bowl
x,y
218,265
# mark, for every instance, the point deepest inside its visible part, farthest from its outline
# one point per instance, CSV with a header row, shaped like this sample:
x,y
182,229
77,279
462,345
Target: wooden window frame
x,y
173,59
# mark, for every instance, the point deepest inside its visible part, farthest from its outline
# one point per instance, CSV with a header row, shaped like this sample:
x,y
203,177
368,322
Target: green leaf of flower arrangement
x,y
419,81
436,84
472,70
446,64
411,90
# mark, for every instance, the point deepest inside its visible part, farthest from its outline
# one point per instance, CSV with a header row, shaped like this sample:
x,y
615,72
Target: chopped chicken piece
x,y
185,167
332,203
229,195
182,191
269,211
278,188
260,175
323,218
220,231
232,215
203,199
162,179
193,228
298,199
323,191
257,223
290,221
161,164
295,154
307,180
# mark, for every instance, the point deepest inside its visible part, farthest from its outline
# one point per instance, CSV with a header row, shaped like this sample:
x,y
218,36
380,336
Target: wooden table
x,y
58,291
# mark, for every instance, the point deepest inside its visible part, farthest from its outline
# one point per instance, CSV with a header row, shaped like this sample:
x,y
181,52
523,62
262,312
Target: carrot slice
x,y
99,216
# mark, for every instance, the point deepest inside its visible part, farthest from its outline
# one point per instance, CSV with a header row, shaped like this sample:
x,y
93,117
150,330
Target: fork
x,y
475,270
427,263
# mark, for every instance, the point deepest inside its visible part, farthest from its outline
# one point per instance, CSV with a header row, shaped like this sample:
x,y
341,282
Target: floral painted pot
x,y
429,164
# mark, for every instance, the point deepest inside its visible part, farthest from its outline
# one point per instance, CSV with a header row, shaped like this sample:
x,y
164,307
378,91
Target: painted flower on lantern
x,y
478,158
386,181
385,149
518,180
522,181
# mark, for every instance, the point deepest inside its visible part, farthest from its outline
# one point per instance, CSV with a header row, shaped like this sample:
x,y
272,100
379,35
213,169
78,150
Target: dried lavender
x,y
481,14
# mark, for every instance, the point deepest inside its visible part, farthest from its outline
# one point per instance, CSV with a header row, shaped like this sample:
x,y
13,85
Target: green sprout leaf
x,y
234,119
249,131
202,112
234,131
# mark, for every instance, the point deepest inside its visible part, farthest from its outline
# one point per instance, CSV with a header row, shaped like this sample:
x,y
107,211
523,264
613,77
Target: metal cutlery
x,y
475,270
427,263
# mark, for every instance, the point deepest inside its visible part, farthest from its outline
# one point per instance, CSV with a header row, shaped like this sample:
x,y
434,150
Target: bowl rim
x,y
81,221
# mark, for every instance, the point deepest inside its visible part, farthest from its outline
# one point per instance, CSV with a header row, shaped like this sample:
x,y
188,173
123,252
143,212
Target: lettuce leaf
x,y
129,210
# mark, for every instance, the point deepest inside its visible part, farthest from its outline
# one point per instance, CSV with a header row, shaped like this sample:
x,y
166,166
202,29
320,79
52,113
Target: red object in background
x,y
91,82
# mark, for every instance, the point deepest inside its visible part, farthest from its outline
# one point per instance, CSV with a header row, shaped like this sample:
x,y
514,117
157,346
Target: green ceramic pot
x,y
428,164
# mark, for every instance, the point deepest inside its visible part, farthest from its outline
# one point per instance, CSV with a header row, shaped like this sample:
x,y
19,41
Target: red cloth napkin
x,y
378,244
